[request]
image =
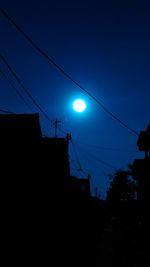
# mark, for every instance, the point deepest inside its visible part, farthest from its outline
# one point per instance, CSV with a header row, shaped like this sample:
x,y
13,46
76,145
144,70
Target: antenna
x,y
56,124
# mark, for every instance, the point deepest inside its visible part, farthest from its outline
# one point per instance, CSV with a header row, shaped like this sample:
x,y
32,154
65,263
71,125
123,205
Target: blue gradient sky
x,y
103,45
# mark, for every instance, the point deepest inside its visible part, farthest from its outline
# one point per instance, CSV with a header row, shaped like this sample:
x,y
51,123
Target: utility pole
x,y
56,124
68,137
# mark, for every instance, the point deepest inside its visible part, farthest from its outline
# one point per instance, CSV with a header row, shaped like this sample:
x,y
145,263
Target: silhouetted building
x,y
47,213
143,142
80,185
55,162
20,137
141,167
25,153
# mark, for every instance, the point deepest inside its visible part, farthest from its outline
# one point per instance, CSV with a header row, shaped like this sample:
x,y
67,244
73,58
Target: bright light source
x,y
79,105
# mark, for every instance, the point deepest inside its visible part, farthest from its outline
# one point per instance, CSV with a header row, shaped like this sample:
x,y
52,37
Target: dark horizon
x,y
48,215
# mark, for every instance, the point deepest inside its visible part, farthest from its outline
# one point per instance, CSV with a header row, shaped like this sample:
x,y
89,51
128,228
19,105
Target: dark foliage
x,y
122,187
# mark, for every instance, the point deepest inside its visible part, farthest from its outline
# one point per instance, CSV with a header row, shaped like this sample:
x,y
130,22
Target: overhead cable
x,y
16,90
6,111
34,45
23,87
97,159
108,148
76,155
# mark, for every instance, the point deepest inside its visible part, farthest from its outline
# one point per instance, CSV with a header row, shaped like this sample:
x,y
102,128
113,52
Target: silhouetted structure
x,y
143,142
80,185
47,215
20,138
141,167
55,162
27,156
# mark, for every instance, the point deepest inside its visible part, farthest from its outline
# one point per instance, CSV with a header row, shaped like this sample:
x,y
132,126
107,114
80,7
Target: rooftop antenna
x,y
56,124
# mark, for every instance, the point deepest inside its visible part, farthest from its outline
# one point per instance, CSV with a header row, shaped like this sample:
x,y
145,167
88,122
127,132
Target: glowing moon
x,y
79,105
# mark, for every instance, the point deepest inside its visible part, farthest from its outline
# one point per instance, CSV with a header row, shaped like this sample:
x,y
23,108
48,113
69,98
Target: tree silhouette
x,y
122,187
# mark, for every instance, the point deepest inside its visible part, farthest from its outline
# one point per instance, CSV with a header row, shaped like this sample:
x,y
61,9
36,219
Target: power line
x,y
34,45
109,148
73,163
76,155
89,154
23,87
98,160
16,90
6,111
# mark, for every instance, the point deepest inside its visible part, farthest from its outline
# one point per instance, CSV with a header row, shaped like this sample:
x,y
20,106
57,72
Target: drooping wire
x,y
16,90
79,168
76,155
23,87
97,159
107,148
76,165
34,45
87,153
6,111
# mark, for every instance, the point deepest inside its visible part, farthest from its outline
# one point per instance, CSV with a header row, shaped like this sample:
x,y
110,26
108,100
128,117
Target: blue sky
x,y
103,45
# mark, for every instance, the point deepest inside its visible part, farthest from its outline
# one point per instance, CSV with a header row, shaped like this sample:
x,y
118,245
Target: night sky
x,y
102,45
